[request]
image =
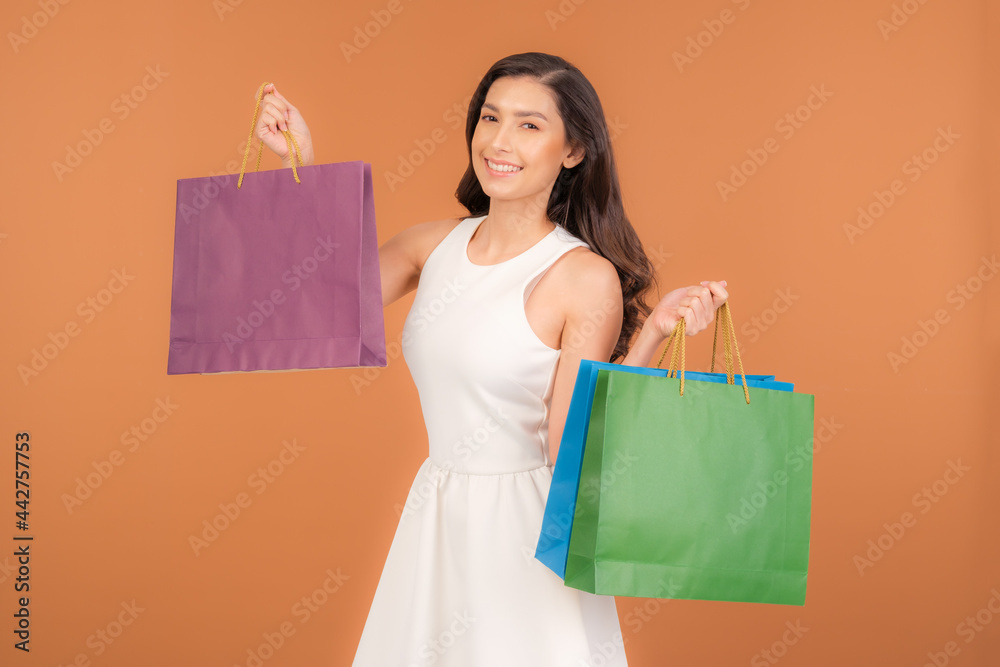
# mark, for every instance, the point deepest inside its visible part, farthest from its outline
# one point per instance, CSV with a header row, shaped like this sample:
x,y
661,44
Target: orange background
x,y
334,507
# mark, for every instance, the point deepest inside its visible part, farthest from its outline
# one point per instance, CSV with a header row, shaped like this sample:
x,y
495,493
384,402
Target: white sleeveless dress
x,y
460,586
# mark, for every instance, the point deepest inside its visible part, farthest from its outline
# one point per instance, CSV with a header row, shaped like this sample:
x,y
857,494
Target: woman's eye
x,y
487,116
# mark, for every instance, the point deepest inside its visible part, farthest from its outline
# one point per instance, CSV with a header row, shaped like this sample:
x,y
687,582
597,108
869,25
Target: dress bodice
x,y
484,377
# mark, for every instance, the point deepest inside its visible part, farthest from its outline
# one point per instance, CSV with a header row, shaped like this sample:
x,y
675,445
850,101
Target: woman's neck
x,y
511,227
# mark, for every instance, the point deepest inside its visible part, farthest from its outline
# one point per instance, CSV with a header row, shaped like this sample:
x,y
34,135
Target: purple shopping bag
x,y
280,273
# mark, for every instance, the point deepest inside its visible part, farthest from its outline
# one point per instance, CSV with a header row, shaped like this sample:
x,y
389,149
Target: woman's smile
x,y
501,168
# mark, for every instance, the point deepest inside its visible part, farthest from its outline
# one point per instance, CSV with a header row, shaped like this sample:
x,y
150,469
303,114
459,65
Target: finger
x,y
691,319
281,97
263,108
706,302
267,124
698,292
715,285
269,97
702,295
264,123
276,109
268,127
699,314
696,310
286,107
718,291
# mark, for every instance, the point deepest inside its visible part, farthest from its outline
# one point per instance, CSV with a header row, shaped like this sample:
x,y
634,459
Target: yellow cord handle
x,y
293,145
678,355
729,342
727,313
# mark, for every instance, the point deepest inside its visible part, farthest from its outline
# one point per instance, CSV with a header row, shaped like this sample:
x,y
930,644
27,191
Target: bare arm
x,y
646,344
402,257
593,324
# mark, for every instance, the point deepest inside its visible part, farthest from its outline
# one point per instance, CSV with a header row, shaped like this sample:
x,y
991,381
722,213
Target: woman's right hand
x,y
276,115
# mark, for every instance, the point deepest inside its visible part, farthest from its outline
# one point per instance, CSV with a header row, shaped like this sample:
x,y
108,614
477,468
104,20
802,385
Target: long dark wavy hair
x,y
586,199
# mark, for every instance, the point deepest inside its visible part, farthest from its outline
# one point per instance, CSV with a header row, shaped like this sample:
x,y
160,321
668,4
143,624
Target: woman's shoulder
x,y
586,277
582,266
423,237
433,232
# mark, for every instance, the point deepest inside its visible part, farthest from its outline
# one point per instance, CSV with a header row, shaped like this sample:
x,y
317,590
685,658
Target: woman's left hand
x,y
696,304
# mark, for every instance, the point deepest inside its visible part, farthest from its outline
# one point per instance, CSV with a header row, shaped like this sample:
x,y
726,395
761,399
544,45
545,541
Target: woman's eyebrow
x,y
489,106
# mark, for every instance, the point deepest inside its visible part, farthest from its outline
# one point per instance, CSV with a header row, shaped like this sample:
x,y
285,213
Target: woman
x,y
547,271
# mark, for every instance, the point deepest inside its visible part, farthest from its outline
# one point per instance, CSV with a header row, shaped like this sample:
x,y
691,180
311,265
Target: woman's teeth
x,y
502,167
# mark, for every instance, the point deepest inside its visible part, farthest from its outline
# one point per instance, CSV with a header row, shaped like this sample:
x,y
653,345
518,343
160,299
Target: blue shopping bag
x,y
557,521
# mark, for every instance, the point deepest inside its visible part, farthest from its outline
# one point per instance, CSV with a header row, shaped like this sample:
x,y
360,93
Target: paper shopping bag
x,y
693,490
276,270
557,521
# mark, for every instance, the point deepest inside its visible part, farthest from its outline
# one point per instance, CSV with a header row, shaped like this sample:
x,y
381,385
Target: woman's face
x,y
519,145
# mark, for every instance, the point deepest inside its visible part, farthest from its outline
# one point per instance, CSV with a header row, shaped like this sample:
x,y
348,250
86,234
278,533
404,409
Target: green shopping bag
x,y
696,490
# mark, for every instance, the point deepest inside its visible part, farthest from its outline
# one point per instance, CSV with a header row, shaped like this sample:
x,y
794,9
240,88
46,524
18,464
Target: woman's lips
x,y
494,172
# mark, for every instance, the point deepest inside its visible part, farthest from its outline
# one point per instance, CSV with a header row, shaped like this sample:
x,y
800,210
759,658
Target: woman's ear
x,y
574,158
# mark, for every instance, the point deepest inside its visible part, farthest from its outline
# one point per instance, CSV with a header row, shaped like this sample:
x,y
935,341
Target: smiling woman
x,y
546,270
